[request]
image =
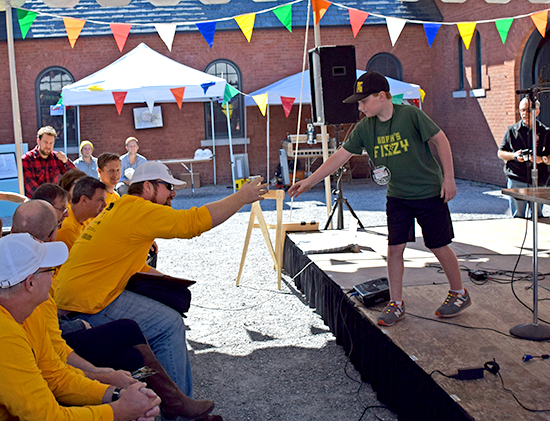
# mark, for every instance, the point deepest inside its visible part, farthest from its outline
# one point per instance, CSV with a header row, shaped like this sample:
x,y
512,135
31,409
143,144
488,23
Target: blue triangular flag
x,y
431,31
207,85
207,29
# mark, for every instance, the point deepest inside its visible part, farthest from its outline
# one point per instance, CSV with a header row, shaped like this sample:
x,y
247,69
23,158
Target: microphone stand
x,y
533,331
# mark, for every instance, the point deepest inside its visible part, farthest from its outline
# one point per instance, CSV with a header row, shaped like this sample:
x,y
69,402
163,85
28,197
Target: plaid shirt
x,y
37,170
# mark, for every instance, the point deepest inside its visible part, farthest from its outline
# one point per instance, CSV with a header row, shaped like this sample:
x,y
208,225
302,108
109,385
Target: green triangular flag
x,y
284,14
60,102
503,26
229,93
397,99
26,18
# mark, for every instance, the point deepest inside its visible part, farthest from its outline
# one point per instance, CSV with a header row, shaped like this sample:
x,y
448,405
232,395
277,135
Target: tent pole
x,y
213,138
17,132
65,130
324,133
230,145
267,140
78,125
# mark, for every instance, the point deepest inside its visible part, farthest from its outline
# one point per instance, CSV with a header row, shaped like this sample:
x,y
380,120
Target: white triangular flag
x,y
395,26
150,96
166,32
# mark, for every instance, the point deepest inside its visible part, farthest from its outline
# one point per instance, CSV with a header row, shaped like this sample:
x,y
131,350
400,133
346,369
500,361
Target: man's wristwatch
x,y
116,394
545,160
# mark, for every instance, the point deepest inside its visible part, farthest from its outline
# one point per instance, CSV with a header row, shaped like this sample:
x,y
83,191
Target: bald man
x,y
518,164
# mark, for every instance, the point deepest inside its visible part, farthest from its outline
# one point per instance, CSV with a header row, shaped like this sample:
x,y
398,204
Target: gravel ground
x,y
264,354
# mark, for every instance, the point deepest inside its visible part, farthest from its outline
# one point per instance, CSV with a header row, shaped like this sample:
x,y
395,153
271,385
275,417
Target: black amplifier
x,y
374,291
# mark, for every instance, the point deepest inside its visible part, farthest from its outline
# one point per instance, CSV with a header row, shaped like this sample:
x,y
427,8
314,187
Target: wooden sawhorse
x,y
256,212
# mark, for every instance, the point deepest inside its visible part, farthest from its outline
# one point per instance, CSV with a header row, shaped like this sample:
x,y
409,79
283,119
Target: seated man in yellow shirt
x,y
108,167
88,200
119,239
34,379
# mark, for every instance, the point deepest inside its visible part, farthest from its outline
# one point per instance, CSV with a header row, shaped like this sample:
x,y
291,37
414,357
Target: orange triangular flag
x,y
178,94
357,18
119,100
540,19
287,104
73,28
319,9
120,32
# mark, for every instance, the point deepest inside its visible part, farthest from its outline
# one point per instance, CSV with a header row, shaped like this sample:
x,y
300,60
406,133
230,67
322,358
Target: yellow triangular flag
x,y
73,28
261,100
466,30
246,23
422,94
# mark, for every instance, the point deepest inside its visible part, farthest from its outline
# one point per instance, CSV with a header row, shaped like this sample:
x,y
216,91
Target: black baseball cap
x,y
367,84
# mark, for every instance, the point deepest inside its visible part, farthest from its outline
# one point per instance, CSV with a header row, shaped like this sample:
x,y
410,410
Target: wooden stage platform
x,y
399,361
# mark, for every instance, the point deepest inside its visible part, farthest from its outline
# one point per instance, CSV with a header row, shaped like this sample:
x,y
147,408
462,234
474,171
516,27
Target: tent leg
x,y
213,138
230,145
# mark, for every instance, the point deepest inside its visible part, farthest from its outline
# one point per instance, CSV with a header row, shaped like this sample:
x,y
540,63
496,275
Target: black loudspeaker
x,y
332,76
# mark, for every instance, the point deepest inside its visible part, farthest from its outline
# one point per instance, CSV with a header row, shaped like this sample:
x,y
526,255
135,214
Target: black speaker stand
x,y
339,202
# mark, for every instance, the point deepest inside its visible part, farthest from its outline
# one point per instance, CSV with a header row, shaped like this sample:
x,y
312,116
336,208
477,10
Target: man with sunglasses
x,y
91,285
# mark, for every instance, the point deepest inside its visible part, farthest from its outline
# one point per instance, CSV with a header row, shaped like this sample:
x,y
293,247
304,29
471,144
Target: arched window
x,y
48,91
230,72
387,64
475,60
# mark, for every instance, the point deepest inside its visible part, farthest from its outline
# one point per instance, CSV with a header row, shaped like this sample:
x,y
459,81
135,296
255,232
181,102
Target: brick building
x,y
473,101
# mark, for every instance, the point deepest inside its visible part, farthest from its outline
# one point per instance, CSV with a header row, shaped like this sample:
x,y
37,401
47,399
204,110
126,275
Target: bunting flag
x,y
287,104
356,19
261,101
503,27
431,29
119,100
207,85
319,9
120,33
95,88
73,28
422,94
150,95
207,30
25,18
397,99
284,14
395,26
166,32
178,95
466,30
229,93
540,19
246,23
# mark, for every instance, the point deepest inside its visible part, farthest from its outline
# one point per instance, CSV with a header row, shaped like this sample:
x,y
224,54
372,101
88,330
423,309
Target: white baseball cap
x,y
22,255
153,170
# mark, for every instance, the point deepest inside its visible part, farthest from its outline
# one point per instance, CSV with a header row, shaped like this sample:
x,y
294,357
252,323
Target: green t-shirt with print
x,y
401,144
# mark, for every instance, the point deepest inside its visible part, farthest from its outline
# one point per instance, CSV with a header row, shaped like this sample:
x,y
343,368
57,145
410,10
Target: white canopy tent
x,y
147,77
291,87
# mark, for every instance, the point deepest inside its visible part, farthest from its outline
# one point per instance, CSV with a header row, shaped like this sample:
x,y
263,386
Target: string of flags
x,y
357,19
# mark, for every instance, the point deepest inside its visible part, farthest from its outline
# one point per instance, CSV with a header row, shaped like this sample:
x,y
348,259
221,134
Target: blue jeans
x,y
163,328
521,208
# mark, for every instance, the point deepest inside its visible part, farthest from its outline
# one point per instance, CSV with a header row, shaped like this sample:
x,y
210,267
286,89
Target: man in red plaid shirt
x,y
43,164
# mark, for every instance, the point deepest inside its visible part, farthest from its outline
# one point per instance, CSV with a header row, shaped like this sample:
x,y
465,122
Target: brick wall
x,y
474,126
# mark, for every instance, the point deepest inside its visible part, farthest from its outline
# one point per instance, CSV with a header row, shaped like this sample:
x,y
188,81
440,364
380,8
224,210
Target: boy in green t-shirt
x,y
397,137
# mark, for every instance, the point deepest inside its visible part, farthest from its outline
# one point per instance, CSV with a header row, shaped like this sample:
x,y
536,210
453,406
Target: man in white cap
x,y
36,384
91,284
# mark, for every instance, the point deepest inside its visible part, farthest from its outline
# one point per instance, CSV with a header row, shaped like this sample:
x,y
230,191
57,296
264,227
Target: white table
x,y
185,161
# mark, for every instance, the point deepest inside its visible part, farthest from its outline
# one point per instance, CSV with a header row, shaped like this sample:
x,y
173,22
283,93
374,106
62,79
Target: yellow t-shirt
x,y
70,230
115,245
49,310
34,379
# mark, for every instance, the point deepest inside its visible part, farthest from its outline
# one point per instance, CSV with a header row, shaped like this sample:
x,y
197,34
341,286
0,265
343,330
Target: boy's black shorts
x,y
432,215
